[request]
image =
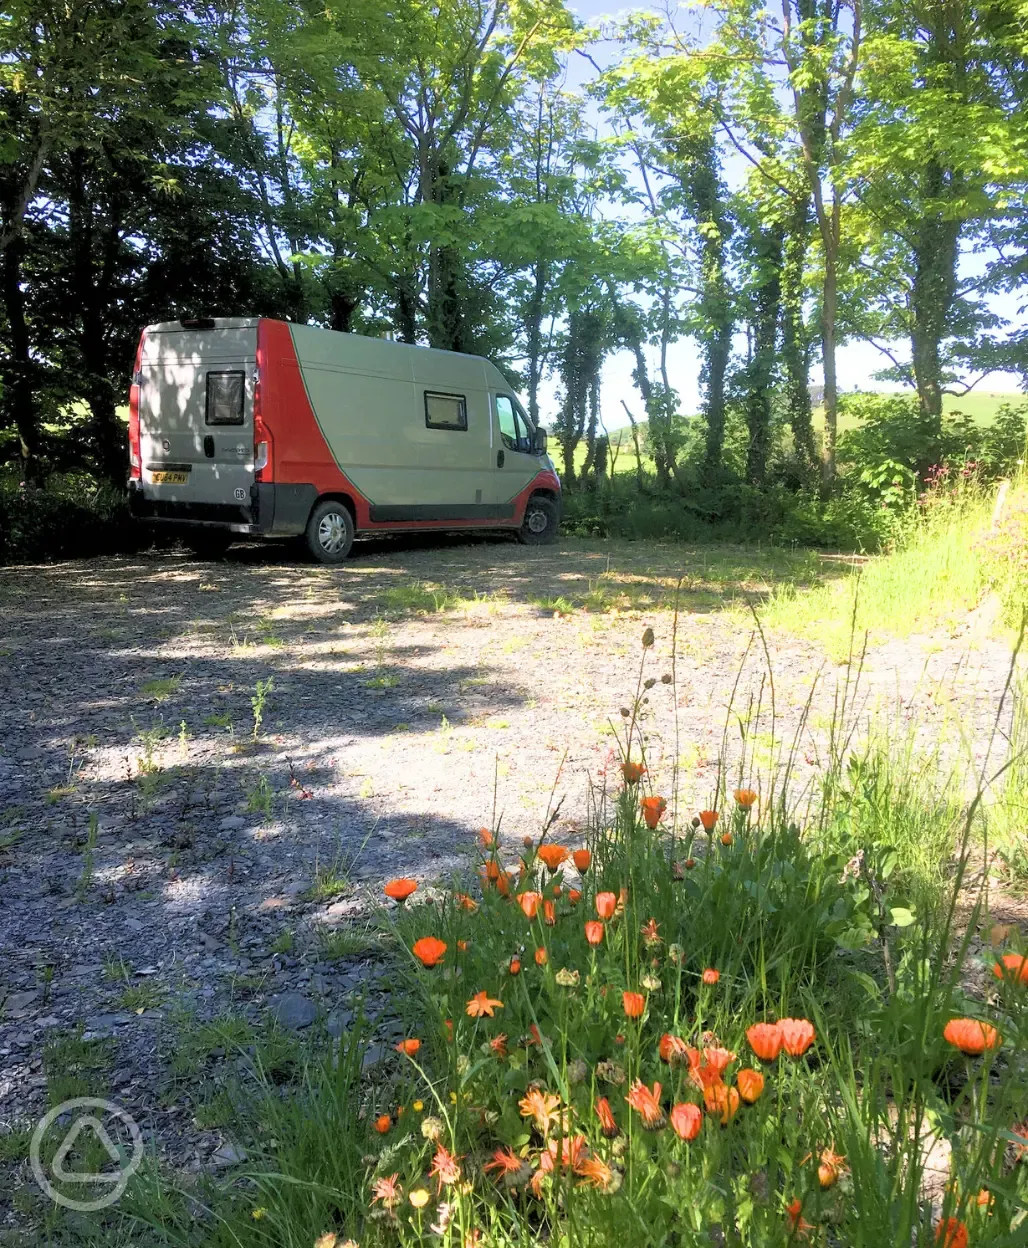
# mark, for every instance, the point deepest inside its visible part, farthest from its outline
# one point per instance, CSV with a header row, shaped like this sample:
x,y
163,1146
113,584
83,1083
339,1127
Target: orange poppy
x,y
400,889
594,931
632,772
462,946
951,1233
711,976
486,838
829,1168
429,950
382,1123
582,858
503,883
721,1099
970,1036
708,818
765,1040
492,869
606,1116
505,1161
465,902
744,798
515,966
797,1035
647,1104
408,1047
498,1044
529,902
549,913
445,1166
482,1005
574,896
798,1225
652,808
727,838
1013,967
552,855
686,1120
595,1173
541,956
606,903
750,1084
673,1049
634,1003
542,1107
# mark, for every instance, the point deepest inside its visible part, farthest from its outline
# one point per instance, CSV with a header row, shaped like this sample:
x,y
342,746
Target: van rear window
x,y
225,398
445,411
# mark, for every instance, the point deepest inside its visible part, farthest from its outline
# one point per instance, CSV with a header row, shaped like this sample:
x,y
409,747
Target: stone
x,y
18,1003
228,1155
293,1011
338,1022
231,823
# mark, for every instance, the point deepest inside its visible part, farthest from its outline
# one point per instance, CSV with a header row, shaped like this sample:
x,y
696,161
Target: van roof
x,y
203,322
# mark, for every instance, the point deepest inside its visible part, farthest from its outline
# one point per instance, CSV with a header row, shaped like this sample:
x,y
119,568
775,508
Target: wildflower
x,y
258,1213
330,1239
595,1173
676,954
418,1106
1013,967
647,1104
632,772
686,1120
950,1233
574,896
970,1036
634,1003
577,1071
503,883
432,1128
797,1035
606,1116
540,1106
486,838
750,1084
727,838
1021,1132
387,1190
672,1049
985,1199
462,946
649,932
498,1044
448,1024
605,905
420,1197
515,966
382,1123
465,902
829,1168
505,1161
719,1098
400,890
610,1072
552,855
690,863
549,913
652,808
650,982
594,931
744,798
647,638
429,950
765,1040
711,976
529,903
492,869
444,1213
534,1037
798,1225
566,978
582,859
482,1005
541,956
408,1047
445,1166
708,818
709,1066
568,1153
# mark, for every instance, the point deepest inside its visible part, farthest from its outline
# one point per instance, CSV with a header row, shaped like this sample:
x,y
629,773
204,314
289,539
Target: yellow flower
x,y
418,1106
419,1198
258,1213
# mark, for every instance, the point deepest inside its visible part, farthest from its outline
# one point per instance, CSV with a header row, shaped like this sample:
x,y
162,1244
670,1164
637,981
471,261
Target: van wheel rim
x,y
332,533
537,522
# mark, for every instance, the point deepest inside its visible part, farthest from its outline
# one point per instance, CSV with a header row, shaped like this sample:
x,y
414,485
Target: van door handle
x,y
499,459
208,446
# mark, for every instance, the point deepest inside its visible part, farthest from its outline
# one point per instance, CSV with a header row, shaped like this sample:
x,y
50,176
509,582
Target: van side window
x,y
445,411
225,398
514,432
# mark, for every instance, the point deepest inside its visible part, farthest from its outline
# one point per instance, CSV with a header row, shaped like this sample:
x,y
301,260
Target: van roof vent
x,y
198,322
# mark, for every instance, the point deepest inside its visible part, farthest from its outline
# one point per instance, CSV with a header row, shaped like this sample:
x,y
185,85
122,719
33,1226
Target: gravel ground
x,y
141,821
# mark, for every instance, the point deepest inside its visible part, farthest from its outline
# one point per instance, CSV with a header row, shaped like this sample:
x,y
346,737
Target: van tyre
x,y
210,546
330,532
541,522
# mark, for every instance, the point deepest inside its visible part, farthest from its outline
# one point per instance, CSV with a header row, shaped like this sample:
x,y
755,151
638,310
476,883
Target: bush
x,y
72,516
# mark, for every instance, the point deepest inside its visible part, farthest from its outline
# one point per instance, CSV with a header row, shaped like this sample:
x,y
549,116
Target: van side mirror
x,y
539,441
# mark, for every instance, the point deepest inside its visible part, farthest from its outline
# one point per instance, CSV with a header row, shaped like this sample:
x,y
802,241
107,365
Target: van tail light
x,y
262,440
260,457
135,458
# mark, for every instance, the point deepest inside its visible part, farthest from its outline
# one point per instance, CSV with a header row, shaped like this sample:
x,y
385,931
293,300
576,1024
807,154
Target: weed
x,y
74,1066
284,941
85,879
259,703
347,942
260,797
218,719
328,883
143,996
162,689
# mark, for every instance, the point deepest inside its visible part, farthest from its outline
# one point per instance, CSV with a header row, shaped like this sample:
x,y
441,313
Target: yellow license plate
x,y
169,478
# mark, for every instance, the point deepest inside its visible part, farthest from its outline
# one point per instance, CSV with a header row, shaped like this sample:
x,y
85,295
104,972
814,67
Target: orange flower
x,y
542,1107
594,931
541,956
632,772
673,1049
505,1161
387,1190
382,1123
582,858
429,950
445,1166
462,946
574,896
829,1168
711,976
797,1035
552,855
744,798
482,1005
634,1003
605,905
549,913
606,1116
765,1040
400,890
718,1059
408,1047
1013,967
515,966
727,838
686,1120
649,932
798,1225
708,818
652,808
448,1024
647,1104
503,883
567,1153
486,838
951,1233
970,1036
529,902
721,1099
492,869
595,1173
498,1044
465,902
690,863
750,1084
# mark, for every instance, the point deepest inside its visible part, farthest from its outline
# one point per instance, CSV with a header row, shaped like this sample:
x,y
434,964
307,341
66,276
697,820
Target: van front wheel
x,y
541,522
330,532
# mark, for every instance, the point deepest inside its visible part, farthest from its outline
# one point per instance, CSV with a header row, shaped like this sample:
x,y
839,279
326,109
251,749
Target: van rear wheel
x,y
330,532
539,527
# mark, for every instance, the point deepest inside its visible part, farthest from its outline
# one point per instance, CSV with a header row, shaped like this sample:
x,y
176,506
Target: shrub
x,y
71,516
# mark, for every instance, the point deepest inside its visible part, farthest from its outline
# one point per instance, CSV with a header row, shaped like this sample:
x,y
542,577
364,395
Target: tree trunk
x,y
761,369
534,335
795,342
405,316
715,369
20,369
342,307
936,247
829,302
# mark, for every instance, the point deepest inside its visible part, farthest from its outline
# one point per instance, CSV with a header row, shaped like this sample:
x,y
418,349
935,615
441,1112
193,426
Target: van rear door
x,y
196,388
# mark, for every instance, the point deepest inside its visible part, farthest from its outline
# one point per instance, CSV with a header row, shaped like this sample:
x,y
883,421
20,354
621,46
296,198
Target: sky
x,y
856,362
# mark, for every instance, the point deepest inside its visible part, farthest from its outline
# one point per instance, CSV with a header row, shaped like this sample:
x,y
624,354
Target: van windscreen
x,y
225,398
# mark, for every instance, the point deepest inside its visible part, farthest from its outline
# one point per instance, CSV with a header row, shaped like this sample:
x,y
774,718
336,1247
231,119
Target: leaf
x,y
901,916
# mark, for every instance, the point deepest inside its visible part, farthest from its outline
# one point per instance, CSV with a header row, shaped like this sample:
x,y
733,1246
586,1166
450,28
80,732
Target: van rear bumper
x,y
275,510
